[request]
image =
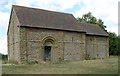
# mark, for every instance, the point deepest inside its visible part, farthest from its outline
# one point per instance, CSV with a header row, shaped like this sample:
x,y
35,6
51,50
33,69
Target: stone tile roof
x,y
34,17
92,29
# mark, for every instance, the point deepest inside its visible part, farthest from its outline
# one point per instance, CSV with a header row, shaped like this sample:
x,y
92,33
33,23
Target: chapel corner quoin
x,y
48,36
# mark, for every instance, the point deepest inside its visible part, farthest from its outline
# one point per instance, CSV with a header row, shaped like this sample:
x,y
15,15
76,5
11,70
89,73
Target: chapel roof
x,y
93,29
34,17
40,18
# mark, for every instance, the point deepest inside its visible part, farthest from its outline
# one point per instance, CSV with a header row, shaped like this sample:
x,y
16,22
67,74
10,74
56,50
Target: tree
x,y
119,45
113,43
89,18
113,39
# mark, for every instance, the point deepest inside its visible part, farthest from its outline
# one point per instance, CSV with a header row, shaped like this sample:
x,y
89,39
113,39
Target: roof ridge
x,y
89,23
39,9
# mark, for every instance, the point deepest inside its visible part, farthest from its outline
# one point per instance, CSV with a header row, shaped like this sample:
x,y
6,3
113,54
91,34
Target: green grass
x,y
97,66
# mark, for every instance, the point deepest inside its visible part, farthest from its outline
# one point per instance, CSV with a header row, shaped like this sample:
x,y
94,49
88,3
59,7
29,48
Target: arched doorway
x,y
47,49
47,53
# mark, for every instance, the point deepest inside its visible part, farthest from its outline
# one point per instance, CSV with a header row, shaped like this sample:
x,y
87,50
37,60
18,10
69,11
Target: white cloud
x,y
107,10
113,29
65,4
4,19
8,6
3,44
49,4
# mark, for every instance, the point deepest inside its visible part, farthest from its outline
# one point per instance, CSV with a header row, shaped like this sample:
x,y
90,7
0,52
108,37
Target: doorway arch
x,y
48,45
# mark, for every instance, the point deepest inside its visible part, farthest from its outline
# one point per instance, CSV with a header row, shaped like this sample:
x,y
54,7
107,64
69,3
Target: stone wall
x,y
27,44
66,45
13,39
97,46
74,46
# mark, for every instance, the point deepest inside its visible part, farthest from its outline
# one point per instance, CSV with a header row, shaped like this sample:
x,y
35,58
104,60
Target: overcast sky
x,y
107,10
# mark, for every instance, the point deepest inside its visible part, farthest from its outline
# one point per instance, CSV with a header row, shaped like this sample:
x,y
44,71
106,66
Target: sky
x,y
107,10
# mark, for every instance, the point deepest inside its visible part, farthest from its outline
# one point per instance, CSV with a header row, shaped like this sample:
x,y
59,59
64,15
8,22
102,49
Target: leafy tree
x,y
4,57
113,44
119,45
89,18
113,39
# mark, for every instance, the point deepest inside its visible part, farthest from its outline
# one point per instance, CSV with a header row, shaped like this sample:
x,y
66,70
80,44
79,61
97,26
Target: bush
x,y
113,44
4,57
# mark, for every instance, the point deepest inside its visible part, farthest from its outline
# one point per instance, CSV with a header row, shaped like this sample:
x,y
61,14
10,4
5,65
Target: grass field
x,y
98,66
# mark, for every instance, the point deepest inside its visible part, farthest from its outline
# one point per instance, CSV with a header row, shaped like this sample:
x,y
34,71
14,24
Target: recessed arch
x,y
48,45
48,39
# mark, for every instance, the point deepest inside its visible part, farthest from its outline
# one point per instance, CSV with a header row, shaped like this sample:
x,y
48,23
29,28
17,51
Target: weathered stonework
x,y
65,45
27,44
13,39
97,47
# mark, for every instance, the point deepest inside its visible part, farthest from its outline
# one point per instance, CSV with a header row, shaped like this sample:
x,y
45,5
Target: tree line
x,y
114,40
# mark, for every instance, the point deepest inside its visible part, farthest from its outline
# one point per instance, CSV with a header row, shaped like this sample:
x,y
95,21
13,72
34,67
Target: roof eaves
x,y
53,28
97,34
